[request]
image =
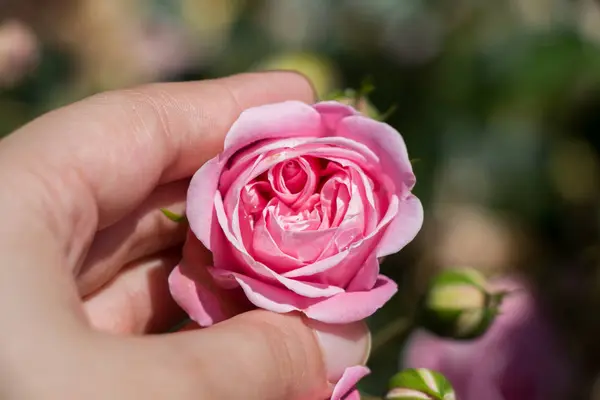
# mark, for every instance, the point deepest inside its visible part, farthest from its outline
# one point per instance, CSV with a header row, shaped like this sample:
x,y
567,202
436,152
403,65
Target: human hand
x,y
85,253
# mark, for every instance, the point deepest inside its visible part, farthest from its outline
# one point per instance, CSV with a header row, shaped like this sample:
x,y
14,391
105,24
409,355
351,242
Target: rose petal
x,y
332,112
353,306
403,228
366,277
341,268
266,296
384,141
267,251
248,263
353,395
192,294
273,152
199,208
304,245
280,120
345,387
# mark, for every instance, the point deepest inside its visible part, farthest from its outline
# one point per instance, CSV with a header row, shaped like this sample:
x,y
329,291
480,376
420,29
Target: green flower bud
x,y
420,384
459,305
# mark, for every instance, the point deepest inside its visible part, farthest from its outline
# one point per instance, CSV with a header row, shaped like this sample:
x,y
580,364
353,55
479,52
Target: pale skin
x,y
85,254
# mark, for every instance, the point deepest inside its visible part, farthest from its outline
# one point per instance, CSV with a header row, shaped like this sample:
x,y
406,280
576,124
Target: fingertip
x,y
342,346
273,86
278,355
303,80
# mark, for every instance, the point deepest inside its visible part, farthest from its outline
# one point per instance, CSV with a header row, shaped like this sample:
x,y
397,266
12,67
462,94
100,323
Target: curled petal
x,y
340,268
353,306
385,141
199,211
403,228
267,251
366,277
255,268
345,389
332,112
287,119
266,296
195,295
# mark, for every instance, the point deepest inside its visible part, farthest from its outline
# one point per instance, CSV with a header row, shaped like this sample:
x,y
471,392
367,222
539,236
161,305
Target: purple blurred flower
x,y
518,358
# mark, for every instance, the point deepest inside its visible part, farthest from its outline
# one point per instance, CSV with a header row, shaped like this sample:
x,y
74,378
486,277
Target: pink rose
x,y
296,211
518,358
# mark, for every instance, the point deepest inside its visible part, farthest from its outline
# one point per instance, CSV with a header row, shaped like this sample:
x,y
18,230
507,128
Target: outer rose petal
x,y
339,309
288,119
354,395
353,306
344,389
385,141
403,228
197,300
200,208
265,296
332,113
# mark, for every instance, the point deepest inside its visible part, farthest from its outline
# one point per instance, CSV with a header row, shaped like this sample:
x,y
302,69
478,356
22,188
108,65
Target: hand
x,y
85,253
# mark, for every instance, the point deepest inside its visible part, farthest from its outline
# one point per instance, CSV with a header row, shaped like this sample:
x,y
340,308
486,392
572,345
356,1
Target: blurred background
x,y
498,101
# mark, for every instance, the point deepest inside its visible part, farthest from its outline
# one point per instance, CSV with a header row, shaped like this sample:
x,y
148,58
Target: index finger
x,y
123,143
82,167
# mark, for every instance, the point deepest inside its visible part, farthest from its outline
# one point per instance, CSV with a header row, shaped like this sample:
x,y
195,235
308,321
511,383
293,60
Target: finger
x,y
147,136
264,355
137,300
85,166
144,232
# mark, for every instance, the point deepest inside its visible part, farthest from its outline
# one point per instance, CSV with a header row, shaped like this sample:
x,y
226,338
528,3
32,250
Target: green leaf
x,y
179,218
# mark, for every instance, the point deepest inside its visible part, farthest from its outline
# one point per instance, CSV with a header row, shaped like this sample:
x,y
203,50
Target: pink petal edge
x,y
339,309
403,228
200,209
198,301
353,306
287,119
345,387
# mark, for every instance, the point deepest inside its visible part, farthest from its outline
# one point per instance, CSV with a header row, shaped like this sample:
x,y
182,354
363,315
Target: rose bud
x,y
413,384
459,305
519,358
297,210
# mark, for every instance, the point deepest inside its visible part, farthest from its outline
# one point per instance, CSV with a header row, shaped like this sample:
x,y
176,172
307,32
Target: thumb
x,y
263,355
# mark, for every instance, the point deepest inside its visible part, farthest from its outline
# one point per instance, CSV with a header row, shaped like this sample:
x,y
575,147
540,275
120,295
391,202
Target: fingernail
x,y
342,346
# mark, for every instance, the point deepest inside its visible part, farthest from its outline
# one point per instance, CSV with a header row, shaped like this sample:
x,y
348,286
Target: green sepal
x,y
179,218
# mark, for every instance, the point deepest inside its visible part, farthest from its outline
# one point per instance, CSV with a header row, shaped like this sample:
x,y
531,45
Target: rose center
x,y
293,177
